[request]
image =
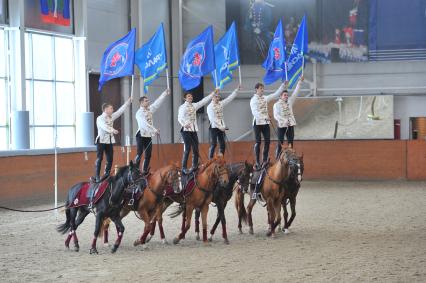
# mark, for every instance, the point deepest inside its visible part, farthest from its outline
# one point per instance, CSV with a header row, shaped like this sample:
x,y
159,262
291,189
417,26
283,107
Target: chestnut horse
x,y
210,175
150,203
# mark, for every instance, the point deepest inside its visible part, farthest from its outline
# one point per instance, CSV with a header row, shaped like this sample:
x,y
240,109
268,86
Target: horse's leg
x,y
223,221
204,212
197,224
216,223
99,219
241,210
151,234
249,211
277,211
293,210
120,228
188,215
285,214
80,218
147,229
271,213
183,222
71,214
160,223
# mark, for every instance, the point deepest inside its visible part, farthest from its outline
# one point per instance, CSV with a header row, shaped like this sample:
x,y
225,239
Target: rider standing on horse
x,y
283,114
146,129
105,139
261,121
217,124
188,120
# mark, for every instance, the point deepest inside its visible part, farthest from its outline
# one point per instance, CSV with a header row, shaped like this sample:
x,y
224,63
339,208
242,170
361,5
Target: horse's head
x,y
220,171
245,175
295,166
172,175
127,175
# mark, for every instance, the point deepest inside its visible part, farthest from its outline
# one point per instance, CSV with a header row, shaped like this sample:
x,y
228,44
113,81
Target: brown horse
x,y
210,175
149,203
272,191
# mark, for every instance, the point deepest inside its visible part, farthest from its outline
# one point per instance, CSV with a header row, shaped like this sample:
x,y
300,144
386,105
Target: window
x,y
50,90
4,92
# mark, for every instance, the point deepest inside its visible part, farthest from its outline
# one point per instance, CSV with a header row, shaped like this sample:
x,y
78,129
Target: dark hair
x,y
285,91
186,93
105,106
258,85
142,98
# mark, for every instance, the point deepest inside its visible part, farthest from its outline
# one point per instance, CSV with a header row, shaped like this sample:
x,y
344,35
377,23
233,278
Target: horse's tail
x,y
178,211
239,205
104,227
63,228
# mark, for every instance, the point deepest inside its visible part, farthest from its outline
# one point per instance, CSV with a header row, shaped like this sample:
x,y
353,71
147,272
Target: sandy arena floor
x,y
343,232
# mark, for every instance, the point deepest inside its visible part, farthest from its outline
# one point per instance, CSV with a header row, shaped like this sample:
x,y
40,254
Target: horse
x,y
239,173
147,201
291,188
208,176
109,205
272,189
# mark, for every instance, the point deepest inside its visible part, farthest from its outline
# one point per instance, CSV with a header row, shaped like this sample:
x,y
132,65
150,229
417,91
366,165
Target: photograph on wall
x,y
338,29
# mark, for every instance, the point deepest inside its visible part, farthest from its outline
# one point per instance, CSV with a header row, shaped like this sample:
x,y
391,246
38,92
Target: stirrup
x,y
254,196
90,205
131,202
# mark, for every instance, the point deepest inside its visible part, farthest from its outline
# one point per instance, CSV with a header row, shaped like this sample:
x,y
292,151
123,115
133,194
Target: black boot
x,y
145,169
194,162
138,161
257,154
98,164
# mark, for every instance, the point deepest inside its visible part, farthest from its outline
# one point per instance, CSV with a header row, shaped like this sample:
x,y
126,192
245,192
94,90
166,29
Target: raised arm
x,y
157,103
296,91
121,110
276,94
230,97
204,101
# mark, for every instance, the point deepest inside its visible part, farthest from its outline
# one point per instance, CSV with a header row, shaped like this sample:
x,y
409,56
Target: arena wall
x,y
28,177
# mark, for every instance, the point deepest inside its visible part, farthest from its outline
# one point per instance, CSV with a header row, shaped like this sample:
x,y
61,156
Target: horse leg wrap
x,y
74,234
205,235
94,243
153,227
118,241
144,235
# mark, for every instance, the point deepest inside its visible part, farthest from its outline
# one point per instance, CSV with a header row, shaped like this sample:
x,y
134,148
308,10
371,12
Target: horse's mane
x,y
203,167
120,172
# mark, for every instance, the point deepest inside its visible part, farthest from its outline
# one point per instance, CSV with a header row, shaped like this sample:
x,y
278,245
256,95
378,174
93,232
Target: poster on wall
x,y
338,29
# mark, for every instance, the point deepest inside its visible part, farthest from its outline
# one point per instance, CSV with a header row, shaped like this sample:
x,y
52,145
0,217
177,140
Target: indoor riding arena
x,y
212,141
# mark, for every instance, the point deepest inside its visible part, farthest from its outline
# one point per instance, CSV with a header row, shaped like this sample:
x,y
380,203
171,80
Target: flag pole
x,y
167,78
128,143
239,75
215,78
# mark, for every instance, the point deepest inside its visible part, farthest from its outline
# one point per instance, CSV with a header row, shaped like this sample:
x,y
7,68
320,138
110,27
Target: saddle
x,y
188,185
258,178
89,193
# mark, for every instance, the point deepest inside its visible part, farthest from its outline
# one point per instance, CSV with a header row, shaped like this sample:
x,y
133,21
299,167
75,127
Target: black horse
x,y
238,173
108,206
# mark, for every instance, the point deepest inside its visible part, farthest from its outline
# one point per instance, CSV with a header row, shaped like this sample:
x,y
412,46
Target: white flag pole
x,y
239,75
215,78
167,78
128,143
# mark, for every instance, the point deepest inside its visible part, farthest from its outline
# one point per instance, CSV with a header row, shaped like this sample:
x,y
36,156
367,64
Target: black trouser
x,y
143,143
265,131
190,140
216,134
109,153
287,131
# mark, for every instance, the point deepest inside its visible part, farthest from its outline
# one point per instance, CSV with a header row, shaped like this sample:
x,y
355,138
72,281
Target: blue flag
x,y
227,57
118,60
275,63
151,58
298,50
198,60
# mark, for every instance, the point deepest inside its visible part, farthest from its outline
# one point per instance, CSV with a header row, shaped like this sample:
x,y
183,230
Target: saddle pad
x,y
87,190
169,192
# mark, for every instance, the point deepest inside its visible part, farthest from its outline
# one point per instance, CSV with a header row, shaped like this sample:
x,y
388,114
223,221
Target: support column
x,y
176,43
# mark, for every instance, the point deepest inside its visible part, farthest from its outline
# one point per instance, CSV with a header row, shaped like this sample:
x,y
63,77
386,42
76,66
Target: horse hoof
x,y
136,243
210,239
114,249
164,242
198,237
269,234
226,241
175,241
251,231
286,231
93,251
77,248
